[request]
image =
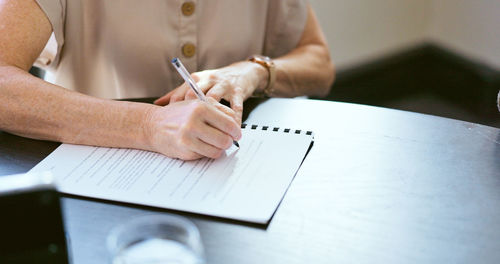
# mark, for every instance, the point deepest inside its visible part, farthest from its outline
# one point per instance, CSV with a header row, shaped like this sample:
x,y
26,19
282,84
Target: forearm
x,y
34,108
307,70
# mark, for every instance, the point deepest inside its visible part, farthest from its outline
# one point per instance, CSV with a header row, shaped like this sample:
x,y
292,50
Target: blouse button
x,y
188,50
188,8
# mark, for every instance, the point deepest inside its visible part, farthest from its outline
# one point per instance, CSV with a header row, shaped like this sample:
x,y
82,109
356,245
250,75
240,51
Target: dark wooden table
x,y
379,186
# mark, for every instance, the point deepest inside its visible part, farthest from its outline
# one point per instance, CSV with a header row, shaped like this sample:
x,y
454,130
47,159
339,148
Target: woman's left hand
x,y
234,83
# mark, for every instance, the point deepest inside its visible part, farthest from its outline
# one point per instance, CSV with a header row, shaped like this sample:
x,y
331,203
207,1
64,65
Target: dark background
x,y
427,79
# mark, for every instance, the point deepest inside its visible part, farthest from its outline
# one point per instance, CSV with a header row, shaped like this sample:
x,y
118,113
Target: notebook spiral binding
x,y
277,129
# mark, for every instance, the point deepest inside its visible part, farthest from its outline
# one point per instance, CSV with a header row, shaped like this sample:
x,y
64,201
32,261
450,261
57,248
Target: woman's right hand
x,y
192,129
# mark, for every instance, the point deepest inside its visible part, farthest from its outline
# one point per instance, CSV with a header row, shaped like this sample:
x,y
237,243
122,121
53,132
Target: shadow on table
x,y
23,153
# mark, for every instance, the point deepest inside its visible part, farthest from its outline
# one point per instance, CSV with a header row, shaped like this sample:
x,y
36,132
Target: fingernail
x,y
238,135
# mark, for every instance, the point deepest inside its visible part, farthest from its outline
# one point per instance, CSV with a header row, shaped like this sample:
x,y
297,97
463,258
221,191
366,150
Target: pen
x,y
187,77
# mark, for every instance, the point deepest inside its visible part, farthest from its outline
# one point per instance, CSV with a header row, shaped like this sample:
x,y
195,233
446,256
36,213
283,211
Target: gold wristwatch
x,y
268,63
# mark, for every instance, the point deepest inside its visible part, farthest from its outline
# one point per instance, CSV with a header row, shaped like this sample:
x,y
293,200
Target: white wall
x,y
471,27
361,30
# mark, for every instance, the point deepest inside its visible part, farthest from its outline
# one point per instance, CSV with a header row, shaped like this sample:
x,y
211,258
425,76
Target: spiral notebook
x,y
246,183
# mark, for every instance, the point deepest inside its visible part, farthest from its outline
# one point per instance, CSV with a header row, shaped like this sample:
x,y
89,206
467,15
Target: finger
x,y
218,91
172,96
189,155
179,93
196,76
192,147
204,81
223,122
237,107
162,101
214,137
204,149
226,110
205,85
190,95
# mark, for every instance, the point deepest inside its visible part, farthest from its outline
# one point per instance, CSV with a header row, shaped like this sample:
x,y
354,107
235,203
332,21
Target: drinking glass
x,y
156,239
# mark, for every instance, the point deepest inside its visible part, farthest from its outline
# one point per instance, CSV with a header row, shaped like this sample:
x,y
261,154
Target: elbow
x,y
325,71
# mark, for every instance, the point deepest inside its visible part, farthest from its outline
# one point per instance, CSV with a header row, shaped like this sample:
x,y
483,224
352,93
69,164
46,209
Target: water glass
x,y
156,239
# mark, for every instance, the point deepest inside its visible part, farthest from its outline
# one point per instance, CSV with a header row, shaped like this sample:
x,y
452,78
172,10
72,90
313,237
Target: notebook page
x,y
247,183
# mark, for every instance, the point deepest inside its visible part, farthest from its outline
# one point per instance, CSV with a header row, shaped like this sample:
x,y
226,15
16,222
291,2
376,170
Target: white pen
x,y
187,77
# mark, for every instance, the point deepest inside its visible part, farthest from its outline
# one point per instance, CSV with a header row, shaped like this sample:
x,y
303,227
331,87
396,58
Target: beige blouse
x,y
123,48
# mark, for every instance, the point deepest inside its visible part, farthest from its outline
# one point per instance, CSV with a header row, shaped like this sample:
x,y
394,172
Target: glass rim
x,y
113,245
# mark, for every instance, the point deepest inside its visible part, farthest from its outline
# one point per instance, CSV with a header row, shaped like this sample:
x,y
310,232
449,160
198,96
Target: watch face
x,y
263,58
268,62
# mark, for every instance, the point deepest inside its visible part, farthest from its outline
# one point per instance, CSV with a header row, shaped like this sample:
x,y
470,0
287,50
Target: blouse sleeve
x,y
286,21
55,10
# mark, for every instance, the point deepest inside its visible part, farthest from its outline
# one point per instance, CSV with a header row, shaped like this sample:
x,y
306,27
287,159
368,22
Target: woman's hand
x,y
234,83
192,129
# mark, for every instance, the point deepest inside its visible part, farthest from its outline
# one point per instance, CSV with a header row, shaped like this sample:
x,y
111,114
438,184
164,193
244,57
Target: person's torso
x,y
128,45
123,48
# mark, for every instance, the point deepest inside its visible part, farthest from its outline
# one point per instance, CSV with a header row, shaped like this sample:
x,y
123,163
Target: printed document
x,y
246,183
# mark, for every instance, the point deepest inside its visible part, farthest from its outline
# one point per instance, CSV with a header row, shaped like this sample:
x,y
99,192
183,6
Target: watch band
x,y
268,63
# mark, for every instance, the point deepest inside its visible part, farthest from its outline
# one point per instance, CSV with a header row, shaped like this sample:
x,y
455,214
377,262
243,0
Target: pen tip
x,y
174,60
236,144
